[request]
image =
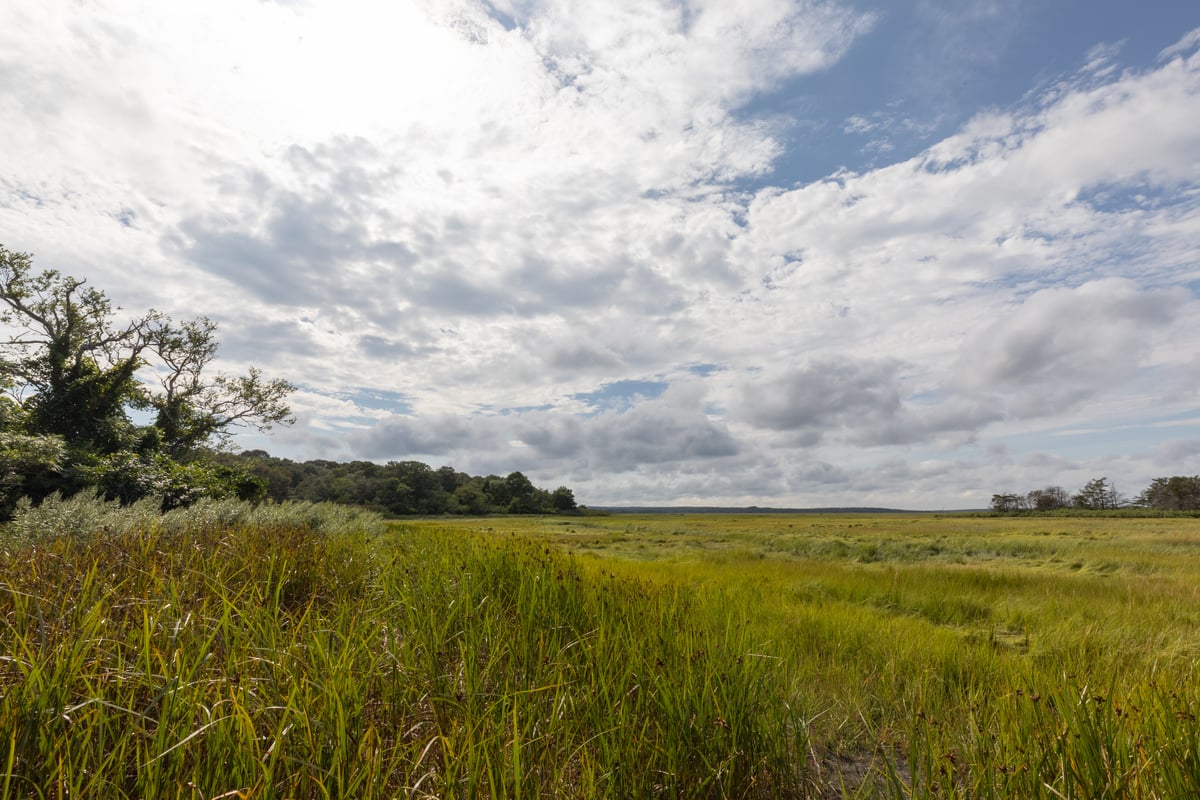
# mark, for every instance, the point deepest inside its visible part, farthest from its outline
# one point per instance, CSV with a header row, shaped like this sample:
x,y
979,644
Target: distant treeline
x,y
1177,493
398,488
747,510
72,369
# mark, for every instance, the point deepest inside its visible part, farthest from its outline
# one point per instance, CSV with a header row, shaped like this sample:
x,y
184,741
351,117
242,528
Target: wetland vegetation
x,y
310,651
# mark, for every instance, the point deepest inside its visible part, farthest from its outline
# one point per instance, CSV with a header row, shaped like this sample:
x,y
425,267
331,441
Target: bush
x,y
87,515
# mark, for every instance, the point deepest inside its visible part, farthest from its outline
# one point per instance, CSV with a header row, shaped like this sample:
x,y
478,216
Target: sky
x,y
664,252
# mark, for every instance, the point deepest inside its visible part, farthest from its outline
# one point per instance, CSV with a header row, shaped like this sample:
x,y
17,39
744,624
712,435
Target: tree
x,y
72,368
563,499
1177,493
520,492
470,499
127,477
75,368
398,487
1007,503
1098,494
30,466
66,359
194,409
1048,499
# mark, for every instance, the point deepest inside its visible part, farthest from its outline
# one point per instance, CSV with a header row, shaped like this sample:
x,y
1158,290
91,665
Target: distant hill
x,y
749,510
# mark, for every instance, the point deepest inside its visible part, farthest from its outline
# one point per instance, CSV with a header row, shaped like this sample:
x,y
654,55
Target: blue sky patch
x,y
620,395
381,400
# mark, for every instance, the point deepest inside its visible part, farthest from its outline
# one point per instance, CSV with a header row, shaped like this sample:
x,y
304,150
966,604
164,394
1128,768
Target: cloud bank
x,y
554,237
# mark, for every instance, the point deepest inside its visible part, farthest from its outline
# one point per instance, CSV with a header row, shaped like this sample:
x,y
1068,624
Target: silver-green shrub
x,y
82,514
89,514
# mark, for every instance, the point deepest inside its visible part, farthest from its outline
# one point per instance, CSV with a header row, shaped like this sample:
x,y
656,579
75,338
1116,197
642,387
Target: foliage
x,y
84,515
29,466
76,367
1051,498
74,361
1177,493
88,516
1006,503
128,476
400,488
194,409
562,500
71,369
1097,495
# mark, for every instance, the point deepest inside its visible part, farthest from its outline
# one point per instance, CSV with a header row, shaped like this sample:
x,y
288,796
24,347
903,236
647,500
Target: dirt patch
x,y
859,775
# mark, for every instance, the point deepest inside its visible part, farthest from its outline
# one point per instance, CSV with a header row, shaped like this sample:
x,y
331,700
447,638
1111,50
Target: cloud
x,y
1062,346
1187,44
824,396
861,403
400,437
668,429
509,216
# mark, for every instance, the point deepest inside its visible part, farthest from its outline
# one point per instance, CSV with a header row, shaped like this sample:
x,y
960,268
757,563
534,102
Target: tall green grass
x,y
953,657
308,651
296,652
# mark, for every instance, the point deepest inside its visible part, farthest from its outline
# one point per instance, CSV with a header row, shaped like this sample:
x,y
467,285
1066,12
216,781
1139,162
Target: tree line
x,y
74,371
1175,493
400,487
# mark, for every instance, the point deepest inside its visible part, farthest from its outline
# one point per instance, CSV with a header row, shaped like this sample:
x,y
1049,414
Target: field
x,y
240,655
961,656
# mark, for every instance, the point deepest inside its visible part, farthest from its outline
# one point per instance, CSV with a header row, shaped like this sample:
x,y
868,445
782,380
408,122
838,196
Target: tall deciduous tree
x,y
563,499
65,357
71,369
1048,499
75,368
194,408
1008,503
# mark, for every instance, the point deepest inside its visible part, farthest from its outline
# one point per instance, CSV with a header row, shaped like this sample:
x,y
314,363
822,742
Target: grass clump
x,y
308,652
295,652
962,657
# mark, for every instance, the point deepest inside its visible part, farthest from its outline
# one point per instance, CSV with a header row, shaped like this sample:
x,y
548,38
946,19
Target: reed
x,y
294,653
306,651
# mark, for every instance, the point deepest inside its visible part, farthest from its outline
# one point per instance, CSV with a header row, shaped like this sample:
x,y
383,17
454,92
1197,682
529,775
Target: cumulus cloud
x,y
495,212
827,395
1062,346
668,429
863,403
403,437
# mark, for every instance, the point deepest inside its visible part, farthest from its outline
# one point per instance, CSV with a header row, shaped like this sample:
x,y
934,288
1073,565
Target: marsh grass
x,y
953,656
303,653
311,652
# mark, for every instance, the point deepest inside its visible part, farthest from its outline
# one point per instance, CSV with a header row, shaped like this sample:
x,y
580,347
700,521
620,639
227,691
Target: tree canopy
x,y
400,488
1179,493
1176,493
72,368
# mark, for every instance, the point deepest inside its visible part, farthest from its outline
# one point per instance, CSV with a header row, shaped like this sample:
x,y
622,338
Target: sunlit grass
x,y
242,658
308,652
964,656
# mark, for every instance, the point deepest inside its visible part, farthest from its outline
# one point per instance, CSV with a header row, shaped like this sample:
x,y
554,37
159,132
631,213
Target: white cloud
x,y
1063,346
1184,47
490,210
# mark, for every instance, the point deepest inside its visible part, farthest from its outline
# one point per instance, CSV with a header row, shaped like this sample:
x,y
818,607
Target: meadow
x,y
312,652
